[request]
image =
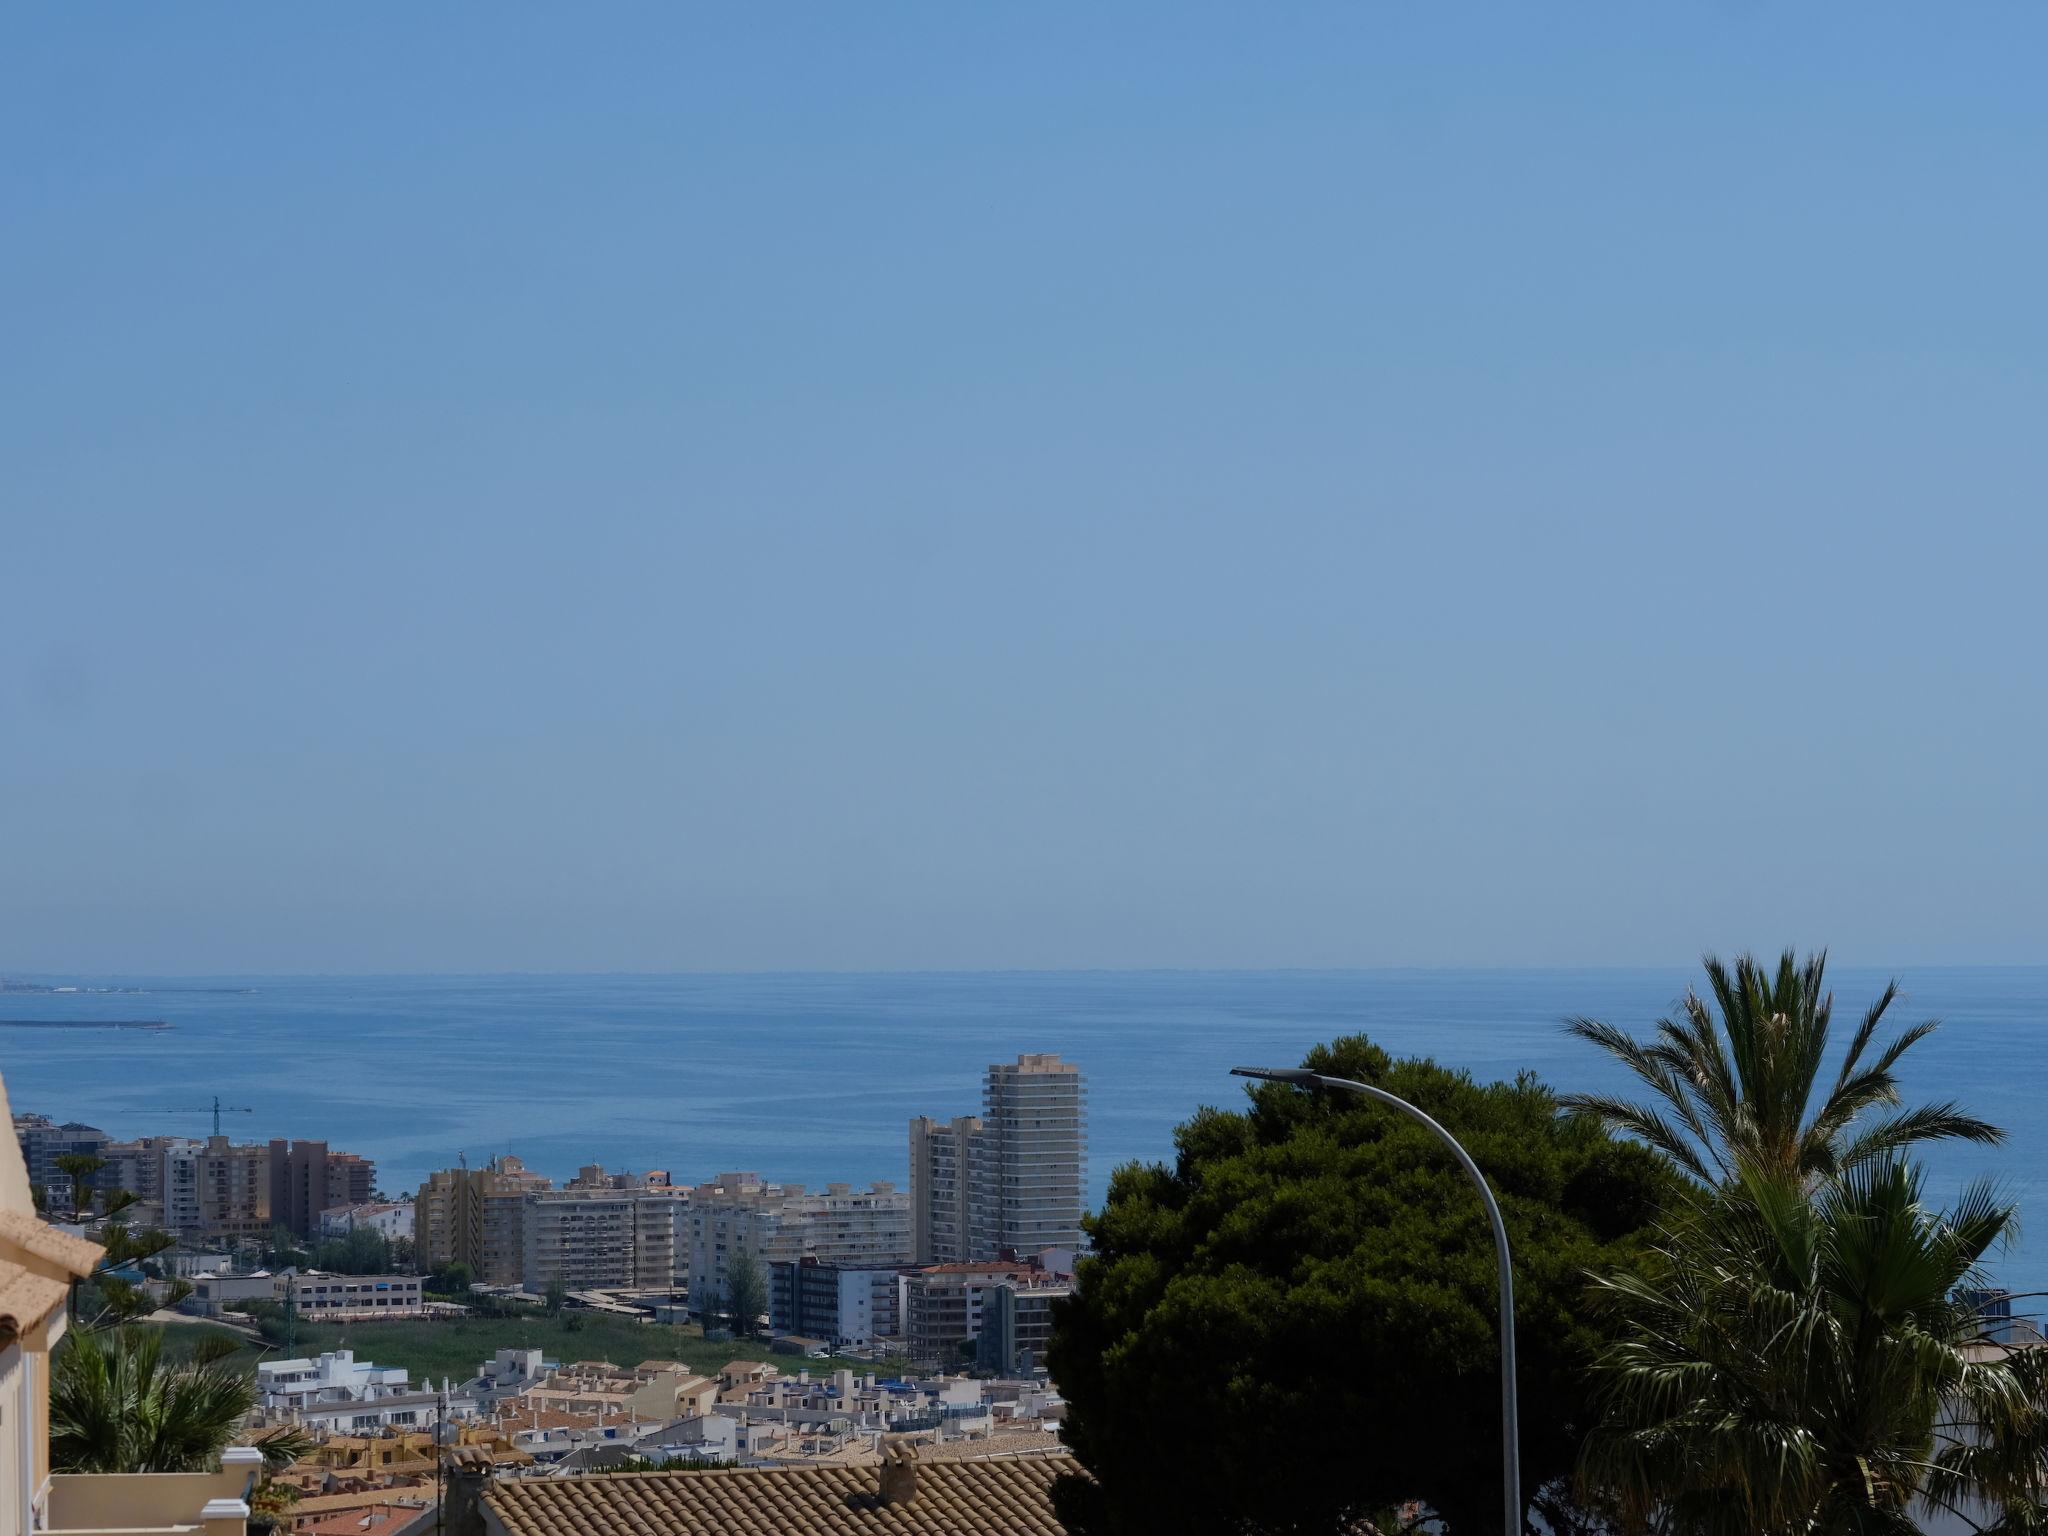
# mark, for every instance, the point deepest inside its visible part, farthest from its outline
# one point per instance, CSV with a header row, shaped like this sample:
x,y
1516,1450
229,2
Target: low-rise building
x,y
282,1386
390,1219
652,1392
323,1297
505,1375
217,1293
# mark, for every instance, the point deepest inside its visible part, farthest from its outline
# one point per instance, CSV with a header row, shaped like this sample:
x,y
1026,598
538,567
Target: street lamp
x,y
1511,1469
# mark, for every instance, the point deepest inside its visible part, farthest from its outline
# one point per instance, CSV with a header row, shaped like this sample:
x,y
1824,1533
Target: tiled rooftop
x,y
961,1498
74,1254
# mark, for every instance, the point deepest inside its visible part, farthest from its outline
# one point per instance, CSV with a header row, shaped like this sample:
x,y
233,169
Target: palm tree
x,y
1738,1090
1792,1359
115,1406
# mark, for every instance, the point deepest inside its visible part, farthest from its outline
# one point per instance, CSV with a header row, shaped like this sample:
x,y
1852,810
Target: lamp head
x,y
1301,1077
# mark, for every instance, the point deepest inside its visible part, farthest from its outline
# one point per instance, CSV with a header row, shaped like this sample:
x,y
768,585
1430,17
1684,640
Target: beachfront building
x,y
599,1239
776,1223
217,1190
1005,1184
477,1217
1030,1161
942,1154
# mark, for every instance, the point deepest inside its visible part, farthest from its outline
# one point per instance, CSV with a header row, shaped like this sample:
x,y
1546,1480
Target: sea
x,y
811,1078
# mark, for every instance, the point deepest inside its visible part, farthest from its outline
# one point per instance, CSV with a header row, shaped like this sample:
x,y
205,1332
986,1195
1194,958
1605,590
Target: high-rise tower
x,y
1029,1163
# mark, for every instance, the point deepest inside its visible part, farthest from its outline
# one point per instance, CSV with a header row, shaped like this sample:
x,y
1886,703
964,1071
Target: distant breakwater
x,y
85,1023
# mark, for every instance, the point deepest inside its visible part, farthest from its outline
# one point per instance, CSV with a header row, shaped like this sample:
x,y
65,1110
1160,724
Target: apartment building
x,y
477,1217
599,1239
941,1308
1009,1181
942,1156
1016,1323
1030,1160
234,1189
844,1304
43,1141
203,1189
776,1223
307,1178
160,1171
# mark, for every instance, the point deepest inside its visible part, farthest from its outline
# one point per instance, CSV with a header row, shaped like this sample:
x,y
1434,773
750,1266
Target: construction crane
x,y
217,1111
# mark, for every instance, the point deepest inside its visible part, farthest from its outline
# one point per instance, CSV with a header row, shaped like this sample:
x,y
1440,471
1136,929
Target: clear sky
x,y
668,487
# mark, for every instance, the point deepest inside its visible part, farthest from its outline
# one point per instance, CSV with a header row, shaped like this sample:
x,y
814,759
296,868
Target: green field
x,y
455,1349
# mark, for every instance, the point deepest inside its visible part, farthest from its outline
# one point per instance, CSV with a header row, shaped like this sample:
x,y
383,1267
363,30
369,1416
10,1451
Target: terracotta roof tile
x,y
954,1498
27,1298
45,1242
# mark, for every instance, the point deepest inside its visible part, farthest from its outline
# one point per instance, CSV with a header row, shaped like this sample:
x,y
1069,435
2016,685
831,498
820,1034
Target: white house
x,y
288,1386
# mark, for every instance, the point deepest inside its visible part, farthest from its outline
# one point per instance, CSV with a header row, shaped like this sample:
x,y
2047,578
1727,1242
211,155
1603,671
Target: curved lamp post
x,y
1511,1468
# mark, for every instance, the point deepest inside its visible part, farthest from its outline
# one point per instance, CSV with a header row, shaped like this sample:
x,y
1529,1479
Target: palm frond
x,y
1643,1123
1908,1128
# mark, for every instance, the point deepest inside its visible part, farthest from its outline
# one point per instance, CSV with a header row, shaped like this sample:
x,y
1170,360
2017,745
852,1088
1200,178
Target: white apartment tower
x,y
1030,1161
1009,1180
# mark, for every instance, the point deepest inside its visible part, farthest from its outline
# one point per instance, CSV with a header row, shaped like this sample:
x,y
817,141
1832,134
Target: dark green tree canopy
x,y
1295,1326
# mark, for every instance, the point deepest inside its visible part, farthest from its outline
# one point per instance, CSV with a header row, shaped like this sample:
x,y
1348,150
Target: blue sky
x,y
666,487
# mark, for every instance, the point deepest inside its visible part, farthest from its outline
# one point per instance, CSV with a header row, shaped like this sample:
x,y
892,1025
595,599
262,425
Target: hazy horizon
x,y
672,491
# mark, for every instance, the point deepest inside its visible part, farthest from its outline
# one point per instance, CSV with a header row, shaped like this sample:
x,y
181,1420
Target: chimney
x,y
899,1474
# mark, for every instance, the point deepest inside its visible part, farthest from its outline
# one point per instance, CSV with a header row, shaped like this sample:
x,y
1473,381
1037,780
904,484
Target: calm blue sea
x,y
810,1078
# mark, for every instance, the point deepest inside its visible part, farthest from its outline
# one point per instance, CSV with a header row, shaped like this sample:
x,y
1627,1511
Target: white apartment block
x,y
592,1239
285,1386
739,1212
1030,1163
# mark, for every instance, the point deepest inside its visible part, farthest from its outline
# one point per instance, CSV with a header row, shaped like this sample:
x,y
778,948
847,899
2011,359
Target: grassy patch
x,y
434,1349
